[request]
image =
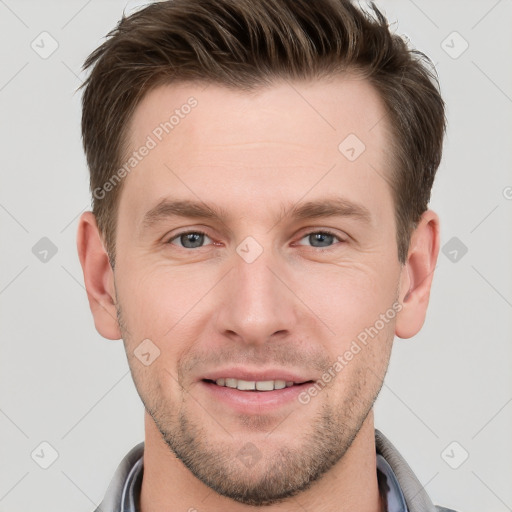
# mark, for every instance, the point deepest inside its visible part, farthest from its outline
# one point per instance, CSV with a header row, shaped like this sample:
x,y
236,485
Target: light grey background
x,y
63,384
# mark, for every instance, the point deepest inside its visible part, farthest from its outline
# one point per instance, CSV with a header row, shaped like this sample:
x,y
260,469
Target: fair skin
x,y
288,314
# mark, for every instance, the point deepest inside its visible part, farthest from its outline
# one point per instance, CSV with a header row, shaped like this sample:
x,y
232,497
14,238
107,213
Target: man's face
x,y
259,294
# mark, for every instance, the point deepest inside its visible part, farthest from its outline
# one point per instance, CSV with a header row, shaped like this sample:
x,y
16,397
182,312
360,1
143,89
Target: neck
x,y
351,484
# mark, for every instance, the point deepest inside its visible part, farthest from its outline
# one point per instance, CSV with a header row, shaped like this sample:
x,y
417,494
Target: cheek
x,y
163,304
356,302
350,298
156,299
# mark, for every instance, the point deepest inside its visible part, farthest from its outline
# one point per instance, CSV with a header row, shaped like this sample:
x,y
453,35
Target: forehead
x,y
233,146
340,105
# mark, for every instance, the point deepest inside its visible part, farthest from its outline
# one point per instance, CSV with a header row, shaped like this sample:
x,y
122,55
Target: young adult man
x,y
261,171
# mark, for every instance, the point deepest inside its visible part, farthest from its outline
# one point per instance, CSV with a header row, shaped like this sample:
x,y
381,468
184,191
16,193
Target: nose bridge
x,y
258,305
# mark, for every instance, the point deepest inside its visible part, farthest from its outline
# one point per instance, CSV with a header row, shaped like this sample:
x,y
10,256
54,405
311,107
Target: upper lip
x,y
259,375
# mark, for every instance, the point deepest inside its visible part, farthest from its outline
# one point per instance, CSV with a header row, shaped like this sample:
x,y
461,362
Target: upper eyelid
x,y
323,231
196,231
340,238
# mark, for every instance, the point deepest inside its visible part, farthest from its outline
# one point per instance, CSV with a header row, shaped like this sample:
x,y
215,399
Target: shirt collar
x,y
389,487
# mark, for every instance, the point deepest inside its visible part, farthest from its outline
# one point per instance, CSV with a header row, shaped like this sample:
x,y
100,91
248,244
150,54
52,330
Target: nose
x,y
256,301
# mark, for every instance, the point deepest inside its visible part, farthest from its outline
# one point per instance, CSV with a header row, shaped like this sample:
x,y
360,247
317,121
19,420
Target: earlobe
x,y
98,277
417,275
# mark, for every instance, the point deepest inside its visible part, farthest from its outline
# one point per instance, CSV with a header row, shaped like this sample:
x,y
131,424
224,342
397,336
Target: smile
x,y
253,385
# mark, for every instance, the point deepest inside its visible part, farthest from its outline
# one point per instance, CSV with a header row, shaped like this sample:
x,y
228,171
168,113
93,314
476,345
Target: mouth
x,y
255,385
254,391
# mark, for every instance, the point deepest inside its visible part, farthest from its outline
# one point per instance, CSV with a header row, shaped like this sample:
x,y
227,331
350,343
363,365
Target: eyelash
x,y
323,232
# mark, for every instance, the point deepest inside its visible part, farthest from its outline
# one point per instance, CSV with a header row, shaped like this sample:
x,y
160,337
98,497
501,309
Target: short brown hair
x,y
249,43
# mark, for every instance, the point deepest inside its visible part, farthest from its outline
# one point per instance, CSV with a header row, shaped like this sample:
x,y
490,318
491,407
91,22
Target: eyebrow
x,y
329,207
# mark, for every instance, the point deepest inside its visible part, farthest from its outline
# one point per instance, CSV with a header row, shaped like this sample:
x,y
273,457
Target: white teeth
x,y
251,385
265,385
231,383
246,385
279,384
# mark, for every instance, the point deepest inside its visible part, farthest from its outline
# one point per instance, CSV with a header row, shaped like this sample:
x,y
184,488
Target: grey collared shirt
x,y
397,482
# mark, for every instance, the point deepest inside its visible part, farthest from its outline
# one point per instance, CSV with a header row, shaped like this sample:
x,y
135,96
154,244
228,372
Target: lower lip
x,y
255,402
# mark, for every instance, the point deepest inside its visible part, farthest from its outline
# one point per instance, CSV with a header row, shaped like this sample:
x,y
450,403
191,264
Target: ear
x,y
417,274
98,277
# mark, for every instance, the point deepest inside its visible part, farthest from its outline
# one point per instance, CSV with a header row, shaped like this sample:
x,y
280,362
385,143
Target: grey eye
x,y
190,240
320,239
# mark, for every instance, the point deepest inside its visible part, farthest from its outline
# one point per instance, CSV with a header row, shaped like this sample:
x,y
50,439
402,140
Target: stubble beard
x,y
276,476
